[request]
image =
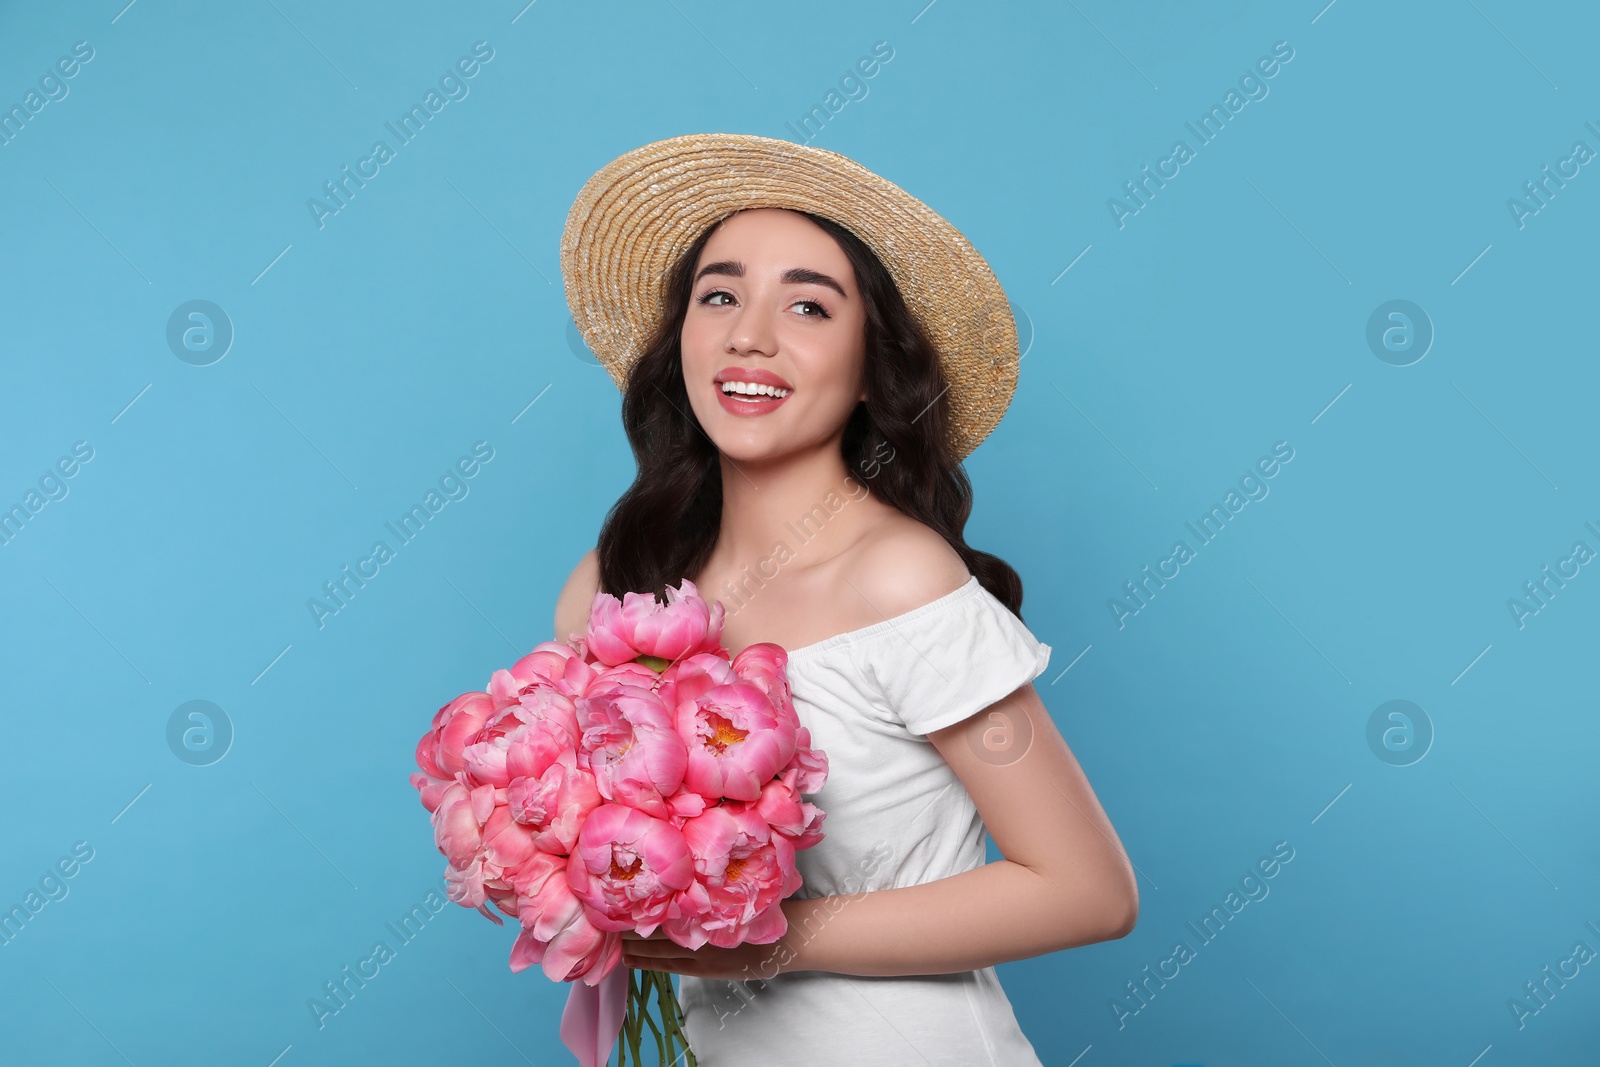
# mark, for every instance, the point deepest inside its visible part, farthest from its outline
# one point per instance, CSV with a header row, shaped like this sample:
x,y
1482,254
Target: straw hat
x,y
639,212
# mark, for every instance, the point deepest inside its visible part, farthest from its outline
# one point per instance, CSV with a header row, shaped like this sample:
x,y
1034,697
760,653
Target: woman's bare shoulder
x,y
903,566
572,605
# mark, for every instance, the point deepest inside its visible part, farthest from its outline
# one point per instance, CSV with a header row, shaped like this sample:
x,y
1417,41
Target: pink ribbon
x,y
593,1017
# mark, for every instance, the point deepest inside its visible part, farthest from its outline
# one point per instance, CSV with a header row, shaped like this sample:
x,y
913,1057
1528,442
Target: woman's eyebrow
x,y
793,276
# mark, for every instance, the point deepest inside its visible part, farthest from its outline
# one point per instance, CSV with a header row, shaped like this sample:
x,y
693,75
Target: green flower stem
x,y
672,1045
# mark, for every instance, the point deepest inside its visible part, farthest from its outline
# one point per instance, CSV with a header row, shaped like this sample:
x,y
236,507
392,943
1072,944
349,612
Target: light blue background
x,y
1229,313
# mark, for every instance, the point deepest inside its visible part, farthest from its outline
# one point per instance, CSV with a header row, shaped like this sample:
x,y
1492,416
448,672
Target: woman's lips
x,y
738,405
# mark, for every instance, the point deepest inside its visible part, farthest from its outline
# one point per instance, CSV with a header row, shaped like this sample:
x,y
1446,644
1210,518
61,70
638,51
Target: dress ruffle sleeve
x,y
935,668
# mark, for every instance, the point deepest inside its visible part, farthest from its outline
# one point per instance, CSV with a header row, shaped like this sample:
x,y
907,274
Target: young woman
x,y
799,435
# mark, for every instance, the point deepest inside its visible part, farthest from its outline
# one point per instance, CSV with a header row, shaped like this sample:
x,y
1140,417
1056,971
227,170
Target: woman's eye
x,y
820,312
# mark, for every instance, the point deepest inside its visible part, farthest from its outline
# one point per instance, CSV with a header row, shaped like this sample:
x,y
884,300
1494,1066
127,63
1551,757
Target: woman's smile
x,y
749,391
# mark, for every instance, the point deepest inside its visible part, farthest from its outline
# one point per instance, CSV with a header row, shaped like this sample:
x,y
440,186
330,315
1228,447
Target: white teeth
x,y
752,389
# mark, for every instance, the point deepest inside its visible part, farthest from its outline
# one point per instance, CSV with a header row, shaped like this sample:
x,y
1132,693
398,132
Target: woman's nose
x,y
752,331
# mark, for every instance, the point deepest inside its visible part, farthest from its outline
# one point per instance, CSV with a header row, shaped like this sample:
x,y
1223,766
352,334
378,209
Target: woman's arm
x,y
1065,879
577,596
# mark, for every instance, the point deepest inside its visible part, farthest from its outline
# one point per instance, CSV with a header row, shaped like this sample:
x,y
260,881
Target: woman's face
x,y
774,301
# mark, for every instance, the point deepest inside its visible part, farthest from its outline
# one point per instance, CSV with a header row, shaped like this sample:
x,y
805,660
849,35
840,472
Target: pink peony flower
x,y
780,805
502,896
430,789
525,738
627,868
686,804
636,754
639,625
552,663
555,804
556,932
546,662
454,727
629,673
691,676
742,871
506,842
736,739
464,885
458,824
810,764
765,666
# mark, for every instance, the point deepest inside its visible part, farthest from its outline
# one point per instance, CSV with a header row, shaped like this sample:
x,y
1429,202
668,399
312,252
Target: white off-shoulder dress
x,y
897,815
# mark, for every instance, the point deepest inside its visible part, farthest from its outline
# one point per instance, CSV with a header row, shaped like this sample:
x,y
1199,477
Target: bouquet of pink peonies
x,y
635,778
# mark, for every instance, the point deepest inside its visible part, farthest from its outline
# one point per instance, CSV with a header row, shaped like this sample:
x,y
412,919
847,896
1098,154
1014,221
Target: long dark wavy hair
x,y
663,529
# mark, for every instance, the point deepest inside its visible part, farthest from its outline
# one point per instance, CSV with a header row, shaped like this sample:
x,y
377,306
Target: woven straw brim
x,y
639,212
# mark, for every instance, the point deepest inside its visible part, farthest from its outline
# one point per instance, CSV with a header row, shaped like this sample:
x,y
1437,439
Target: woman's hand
x,y
744,963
